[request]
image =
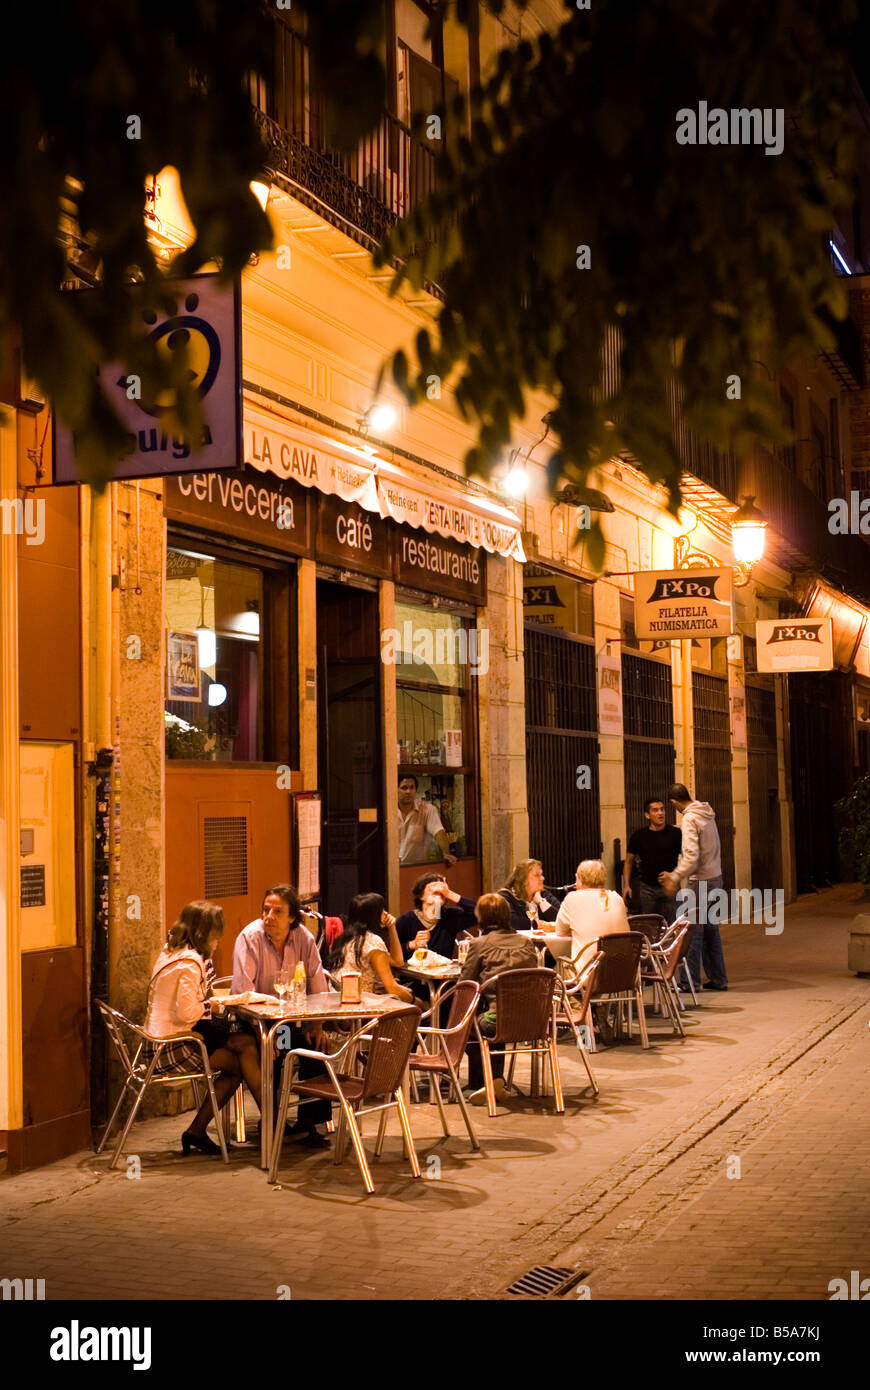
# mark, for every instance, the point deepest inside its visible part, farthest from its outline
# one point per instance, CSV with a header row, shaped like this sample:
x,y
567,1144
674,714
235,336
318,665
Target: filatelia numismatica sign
x,y
678,604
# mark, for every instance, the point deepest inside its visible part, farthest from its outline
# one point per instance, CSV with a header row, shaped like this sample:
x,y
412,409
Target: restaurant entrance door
x,y
350,737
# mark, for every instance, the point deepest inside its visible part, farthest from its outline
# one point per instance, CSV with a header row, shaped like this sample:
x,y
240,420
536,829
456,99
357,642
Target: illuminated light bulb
x,y
261,192
382,417
217,694
748,533
516,483
206,642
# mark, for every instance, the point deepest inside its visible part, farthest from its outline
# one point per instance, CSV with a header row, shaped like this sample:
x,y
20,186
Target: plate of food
x,y
430,961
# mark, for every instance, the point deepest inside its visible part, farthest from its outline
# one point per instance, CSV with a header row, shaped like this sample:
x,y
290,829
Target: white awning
x,y
465,517
282,447
277,446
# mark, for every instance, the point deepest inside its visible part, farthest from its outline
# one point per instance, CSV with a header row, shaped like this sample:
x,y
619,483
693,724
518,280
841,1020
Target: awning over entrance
x,y
290,451
273,446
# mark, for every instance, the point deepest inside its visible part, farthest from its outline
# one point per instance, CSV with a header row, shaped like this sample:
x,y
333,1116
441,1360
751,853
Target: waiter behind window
x,y
420,828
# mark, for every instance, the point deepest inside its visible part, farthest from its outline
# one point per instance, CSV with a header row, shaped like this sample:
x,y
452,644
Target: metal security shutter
x,y
648,719
561,736
764,821
712,718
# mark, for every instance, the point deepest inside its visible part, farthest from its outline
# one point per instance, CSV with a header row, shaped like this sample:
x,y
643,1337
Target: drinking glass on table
x,y
283,984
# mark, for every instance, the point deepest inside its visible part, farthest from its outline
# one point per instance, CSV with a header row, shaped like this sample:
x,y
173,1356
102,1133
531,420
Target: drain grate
x,y
542,1281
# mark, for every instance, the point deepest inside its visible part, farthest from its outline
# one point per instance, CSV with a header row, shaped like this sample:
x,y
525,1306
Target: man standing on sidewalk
x,y
700,862
657,847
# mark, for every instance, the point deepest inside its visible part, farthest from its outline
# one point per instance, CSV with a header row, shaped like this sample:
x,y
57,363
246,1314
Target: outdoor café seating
x,y
141,1070
378,1089
525,1023
445,1059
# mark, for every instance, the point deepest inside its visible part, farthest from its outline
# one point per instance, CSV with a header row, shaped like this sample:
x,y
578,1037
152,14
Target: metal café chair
x,y
572,1010
452,1041
391,1039
619,977
524,1023
652,924
140,1072
659,970
682,963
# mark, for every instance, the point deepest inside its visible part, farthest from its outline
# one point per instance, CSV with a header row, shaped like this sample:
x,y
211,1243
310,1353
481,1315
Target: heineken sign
x,y
678,604
794,644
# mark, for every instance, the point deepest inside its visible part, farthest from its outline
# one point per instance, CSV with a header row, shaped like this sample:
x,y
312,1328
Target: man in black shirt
x,y
657,848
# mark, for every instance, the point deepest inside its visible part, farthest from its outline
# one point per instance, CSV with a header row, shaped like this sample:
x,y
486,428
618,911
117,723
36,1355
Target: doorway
x,y
350,744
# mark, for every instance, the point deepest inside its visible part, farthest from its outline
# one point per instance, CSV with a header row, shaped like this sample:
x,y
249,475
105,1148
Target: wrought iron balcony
x,y
365,192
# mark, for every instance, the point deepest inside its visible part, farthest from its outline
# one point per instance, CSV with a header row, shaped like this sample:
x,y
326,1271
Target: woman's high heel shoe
x,y
189,1141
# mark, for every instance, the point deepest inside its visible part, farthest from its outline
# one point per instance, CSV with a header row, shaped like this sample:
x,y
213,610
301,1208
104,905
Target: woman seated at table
x,y
370,945
178,1003
499,948
591,910
527,897
437,918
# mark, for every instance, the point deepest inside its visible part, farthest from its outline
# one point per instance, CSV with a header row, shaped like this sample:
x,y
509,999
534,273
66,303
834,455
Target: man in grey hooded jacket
x,y
700,862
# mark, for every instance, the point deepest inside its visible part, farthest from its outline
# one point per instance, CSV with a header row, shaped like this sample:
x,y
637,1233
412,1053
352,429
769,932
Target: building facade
x,y
213,682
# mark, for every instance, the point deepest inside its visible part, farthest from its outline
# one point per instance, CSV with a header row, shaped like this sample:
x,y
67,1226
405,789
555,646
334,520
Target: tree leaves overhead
x,y
702,260
74,181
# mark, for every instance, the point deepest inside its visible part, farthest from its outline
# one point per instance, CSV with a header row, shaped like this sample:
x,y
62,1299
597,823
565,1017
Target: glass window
x,y
214,659
437,652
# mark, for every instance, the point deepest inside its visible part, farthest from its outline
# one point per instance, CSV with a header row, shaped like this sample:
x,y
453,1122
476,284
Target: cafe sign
x,y
794,644
202,318
680,604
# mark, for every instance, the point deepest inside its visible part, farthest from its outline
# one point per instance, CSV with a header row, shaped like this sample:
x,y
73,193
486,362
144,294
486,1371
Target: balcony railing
x,y
365,192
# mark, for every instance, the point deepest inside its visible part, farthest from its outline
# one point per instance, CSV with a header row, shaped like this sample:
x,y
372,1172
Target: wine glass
x,y
282,984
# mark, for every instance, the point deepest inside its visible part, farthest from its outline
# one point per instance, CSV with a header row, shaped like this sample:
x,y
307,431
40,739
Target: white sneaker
x,y
479,1097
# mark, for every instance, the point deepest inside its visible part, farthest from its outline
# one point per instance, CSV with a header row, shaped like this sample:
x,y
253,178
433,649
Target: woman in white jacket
x,y
178,1002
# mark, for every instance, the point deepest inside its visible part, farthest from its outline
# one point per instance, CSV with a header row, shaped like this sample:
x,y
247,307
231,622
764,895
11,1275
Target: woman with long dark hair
x,y
178,1002
370,945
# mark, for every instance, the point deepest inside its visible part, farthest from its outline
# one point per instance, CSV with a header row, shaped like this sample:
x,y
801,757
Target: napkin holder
x,y
350,987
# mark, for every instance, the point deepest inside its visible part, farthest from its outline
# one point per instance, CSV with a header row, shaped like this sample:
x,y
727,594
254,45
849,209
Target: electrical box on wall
x,y
47,846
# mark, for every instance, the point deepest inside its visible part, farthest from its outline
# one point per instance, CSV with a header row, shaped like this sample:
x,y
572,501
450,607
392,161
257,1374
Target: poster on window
x,y
453,745
609,694
182,667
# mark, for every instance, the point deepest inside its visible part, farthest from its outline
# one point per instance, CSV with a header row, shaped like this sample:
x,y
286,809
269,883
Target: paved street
x,y
633,1190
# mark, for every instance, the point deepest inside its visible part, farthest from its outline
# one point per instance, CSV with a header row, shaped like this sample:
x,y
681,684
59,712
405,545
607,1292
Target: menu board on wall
x,y
306,841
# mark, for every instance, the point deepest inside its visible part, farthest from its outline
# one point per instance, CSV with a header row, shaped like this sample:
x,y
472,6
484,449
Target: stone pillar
x,y
387,600
139,922
306,623
504,815
611,759
740,778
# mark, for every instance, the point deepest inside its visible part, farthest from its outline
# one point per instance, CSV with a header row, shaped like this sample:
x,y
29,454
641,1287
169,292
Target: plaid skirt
x,y
181,1058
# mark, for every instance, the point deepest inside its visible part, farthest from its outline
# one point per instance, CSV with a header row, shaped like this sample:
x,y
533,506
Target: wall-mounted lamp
x,y
379,418
748,537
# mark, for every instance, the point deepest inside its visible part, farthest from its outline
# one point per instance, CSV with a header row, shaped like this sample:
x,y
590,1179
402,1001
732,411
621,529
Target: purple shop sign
x,y
206,318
